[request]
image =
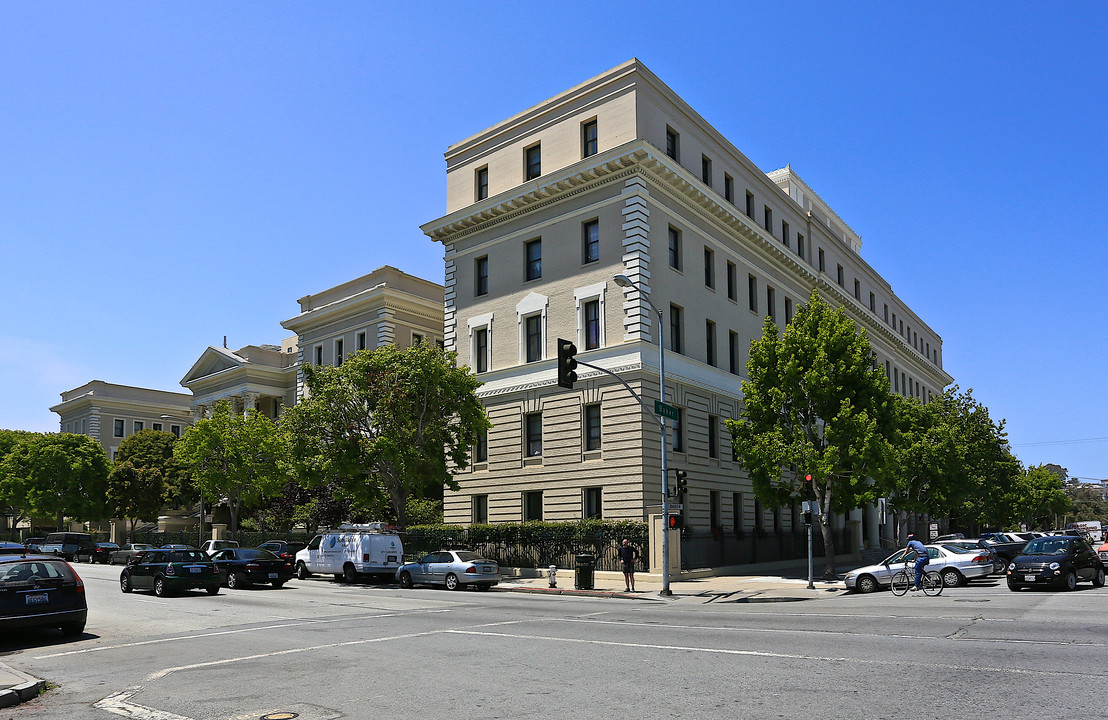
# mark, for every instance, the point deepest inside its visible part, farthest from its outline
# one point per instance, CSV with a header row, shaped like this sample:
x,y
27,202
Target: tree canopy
x,y
815,403
56,475
1039,497
387,422
146,475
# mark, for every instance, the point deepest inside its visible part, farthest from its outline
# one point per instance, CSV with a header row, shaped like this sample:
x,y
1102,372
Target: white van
x,y
351,552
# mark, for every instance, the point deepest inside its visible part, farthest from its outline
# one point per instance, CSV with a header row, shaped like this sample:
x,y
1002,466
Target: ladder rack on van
x,y
376,527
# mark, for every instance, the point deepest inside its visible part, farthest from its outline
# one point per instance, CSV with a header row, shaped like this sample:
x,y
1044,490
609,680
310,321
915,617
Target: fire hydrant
x,y
553,576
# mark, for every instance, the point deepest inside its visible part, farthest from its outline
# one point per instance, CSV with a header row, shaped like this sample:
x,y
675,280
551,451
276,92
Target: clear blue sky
x,y
174,173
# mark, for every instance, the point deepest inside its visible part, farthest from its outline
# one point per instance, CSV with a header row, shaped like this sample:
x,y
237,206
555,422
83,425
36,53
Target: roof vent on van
x,y
364,527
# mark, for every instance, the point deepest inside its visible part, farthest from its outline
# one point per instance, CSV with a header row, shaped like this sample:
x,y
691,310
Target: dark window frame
x,y
532,260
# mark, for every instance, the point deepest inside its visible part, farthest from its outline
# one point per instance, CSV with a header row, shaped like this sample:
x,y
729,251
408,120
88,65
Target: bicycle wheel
x,y
932,583
900,583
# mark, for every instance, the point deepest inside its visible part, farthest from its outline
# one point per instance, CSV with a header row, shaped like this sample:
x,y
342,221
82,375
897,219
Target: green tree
x,y
12,491
57,474
815,404
1039,495
387,422
1086,504
145,476
233,457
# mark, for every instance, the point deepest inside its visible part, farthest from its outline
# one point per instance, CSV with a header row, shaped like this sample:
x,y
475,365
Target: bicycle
x,y
931,583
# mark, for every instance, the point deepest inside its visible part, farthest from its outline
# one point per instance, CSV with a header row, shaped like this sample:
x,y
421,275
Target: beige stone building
x,y
109,413
619,176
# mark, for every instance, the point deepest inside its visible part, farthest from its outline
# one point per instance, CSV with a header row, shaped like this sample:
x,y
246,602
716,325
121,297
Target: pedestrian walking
x,y
628,555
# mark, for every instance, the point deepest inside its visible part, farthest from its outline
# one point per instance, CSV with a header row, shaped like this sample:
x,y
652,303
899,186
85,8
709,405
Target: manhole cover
x,y
280,716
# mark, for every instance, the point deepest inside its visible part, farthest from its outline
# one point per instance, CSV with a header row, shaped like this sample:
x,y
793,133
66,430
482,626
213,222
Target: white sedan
x,y
955,565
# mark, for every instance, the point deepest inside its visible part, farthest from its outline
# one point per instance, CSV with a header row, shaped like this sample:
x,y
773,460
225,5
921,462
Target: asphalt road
x,y
321,650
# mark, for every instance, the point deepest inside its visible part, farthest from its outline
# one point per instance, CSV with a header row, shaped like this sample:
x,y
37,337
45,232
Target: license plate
x,y
39,599
488,569
273,576
1030,578
196,570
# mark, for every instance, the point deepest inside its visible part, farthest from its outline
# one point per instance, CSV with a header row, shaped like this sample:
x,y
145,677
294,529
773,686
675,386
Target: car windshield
x,y
187,556
469,556
960,550
258,554
1048,546
23,573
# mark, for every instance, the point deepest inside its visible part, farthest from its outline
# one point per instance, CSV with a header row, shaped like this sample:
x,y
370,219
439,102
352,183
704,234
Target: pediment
x,y
212,361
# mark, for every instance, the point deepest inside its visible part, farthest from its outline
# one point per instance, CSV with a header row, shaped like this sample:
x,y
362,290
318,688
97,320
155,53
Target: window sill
x,y
592,455
528,461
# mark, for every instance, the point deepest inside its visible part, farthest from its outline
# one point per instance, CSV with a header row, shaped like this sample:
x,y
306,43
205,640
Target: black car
x,y
39,591
11,548
100,553
1056,561
165,571
284,549
240,567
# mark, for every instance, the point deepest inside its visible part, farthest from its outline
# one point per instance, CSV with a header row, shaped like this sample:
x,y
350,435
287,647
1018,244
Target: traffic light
x,y
808,485
676,521
567,365
681,483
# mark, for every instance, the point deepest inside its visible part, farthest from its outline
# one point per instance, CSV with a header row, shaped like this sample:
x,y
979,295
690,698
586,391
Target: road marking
x,y
120,704
139,643
774,655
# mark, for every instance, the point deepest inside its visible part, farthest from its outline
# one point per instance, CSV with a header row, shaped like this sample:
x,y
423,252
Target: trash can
x,y
583,575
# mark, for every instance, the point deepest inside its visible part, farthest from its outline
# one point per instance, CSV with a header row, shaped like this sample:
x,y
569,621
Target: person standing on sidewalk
x,y
628,555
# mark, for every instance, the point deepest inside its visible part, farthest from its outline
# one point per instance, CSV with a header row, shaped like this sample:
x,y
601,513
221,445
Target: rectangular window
x,y
532,505
728,188
339,354
710,342
676,342
318,354
532,328
590,240
732,281
752,292
706,170
592,427
886,306
800,245
592,503
713,511
591,309
532,158
749,204
737,510
673,144
361,340
674,248
588,138
480,509
771,304
138,426
733,352
785,233
822,263
481,180
788,310
767,218
857,289
679,431
533,260
713,436
156,426
872,303
481,451
481,276
176,430
533,436
709,268
839,276
481,350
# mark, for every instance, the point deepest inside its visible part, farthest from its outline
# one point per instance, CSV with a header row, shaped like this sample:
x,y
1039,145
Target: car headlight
x,y
849,575
1012,566
1054,566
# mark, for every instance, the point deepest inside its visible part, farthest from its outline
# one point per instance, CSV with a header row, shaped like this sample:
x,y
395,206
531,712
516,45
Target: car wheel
x,y
484,586
349,574
125,583
1071,580
1098,577
159,587
233,581
212,589
302,571
452,582
1013,586
406,580
866,584
73,629
952,578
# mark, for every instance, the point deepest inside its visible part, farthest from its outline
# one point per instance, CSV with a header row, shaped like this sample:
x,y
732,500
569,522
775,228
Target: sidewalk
x,y
17,687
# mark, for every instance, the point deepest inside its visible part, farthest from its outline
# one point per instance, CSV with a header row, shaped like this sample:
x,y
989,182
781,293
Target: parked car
x,y
32,544
67,545
178,546
11,548
951,536
100,553
453,569
284,549
166,571
211,547
1102,551
1006,546
240,567
128,552
956,566
39,591
1058,561
353,552
1000,566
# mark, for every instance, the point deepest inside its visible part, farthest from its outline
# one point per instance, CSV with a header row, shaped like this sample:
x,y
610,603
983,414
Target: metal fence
x,y
706,550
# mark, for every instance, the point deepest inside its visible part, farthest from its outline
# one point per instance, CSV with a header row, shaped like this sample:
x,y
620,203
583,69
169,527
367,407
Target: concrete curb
x,y
17,686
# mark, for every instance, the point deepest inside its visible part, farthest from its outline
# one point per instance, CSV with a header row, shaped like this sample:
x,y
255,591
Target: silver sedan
x,y
955,565
453,569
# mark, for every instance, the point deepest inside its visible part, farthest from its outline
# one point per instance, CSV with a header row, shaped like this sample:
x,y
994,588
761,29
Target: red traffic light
x,y
808,479
676,521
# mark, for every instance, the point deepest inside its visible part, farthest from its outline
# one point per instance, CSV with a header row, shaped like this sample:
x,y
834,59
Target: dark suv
x,y
68,545
38,591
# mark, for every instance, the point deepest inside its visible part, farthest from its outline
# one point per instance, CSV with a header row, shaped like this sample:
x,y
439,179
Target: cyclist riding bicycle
x,y
915,546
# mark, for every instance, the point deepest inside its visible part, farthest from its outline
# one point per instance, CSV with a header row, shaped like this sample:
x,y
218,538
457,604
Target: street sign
x,y
676,506
666,411
933,530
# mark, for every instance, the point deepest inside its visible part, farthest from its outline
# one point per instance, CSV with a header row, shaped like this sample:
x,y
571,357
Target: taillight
x,y
471,569
982,560
252,566
80,586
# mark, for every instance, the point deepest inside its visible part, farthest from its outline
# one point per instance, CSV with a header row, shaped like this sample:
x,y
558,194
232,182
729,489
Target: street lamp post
x,y
626,282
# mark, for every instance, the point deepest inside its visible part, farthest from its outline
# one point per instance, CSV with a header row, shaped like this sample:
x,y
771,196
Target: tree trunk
x,y
828,546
